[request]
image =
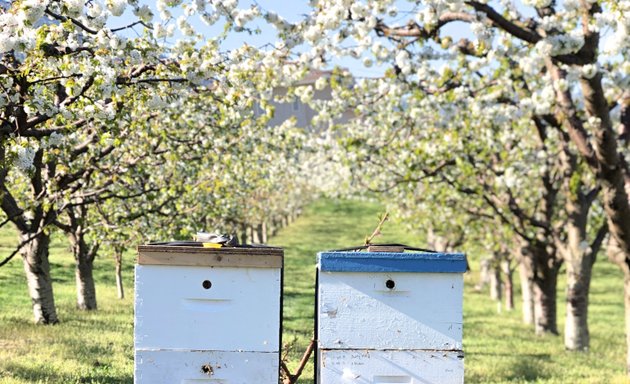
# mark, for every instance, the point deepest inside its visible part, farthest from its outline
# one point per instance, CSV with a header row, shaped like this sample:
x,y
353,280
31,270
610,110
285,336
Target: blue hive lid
x,y
428,262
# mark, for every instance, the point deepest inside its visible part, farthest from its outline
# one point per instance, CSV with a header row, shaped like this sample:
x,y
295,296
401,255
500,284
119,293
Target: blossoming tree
x,y
573,55
86,113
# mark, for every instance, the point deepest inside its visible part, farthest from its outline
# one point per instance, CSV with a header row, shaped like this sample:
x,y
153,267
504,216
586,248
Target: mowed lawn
x,y
97,347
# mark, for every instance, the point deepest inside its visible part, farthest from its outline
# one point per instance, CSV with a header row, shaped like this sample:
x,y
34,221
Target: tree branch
x,y
514,28
74,21
598,241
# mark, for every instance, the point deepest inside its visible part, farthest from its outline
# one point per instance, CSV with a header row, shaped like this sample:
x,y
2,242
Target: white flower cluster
x,y
532,64
590,70
305,93
481,30
116,7
56,139
74,8
278,22
14,34
31,11
244,16
101,111
321,83
24,157
403,61
562,44
144,13
620,39
182,24
537,3
427,17
97,15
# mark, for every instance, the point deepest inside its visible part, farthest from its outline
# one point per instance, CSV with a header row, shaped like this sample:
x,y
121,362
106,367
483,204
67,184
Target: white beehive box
x,y
207,315
390,317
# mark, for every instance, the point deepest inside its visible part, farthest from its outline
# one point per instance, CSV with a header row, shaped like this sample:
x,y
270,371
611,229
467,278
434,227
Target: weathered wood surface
x,y
240,309
381,367
420,311
205,367
386,248
210,257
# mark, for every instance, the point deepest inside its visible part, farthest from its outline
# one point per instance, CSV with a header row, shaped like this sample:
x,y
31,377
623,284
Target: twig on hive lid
x,y
377,230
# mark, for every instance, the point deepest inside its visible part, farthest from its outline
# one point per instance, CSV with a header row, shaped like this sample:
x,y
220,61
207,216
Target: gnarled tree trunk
x,y
545,281
84,264
579,257
37,268
545,307
576,333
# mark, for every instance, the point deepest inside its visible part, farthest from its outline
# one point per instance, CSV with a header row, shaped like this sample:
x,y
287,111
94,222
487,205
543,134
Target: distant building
x,y
302,112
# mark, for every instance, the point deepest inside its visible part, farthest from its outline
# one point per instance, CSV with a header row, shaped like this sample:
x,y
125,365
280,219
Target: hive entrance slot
x,y
207,284
391,284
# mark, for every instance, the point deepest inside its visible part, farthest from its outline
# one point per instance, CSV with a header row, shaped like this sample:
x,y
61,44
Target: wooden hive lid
x,y
244,257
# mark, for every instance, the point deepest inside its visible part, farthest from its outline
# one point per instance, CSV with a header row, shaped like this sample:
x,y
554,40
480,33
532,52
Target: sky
x,y
290,10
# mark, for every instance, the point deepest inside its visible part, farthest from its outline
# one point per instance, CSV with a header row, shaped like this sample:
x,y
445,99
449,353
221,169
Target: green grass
x,y
97,347
86,347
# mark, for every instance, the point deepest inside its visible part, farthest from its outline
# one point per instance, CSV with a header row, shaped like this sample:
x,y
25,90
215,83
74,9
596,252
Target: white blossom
x,y
403,61
55,139
116,7
589,71
144,13
32,10
74,7
24,158
321,83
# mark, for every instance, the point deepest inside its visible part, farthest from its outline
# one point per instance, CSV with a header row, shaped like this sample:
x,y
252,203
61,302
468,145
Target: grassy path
x,y
98,347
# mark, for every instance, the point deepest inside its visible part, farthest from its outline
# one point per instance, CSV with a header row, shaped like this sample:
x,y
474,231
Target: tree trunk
x,y
526,275
119,281
509,285
262,232
276,225
579,260
545,298
542,266
86,290
626,300
253,235
84,262
243,235
37,269
484,274
576,334
495,281
618,256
